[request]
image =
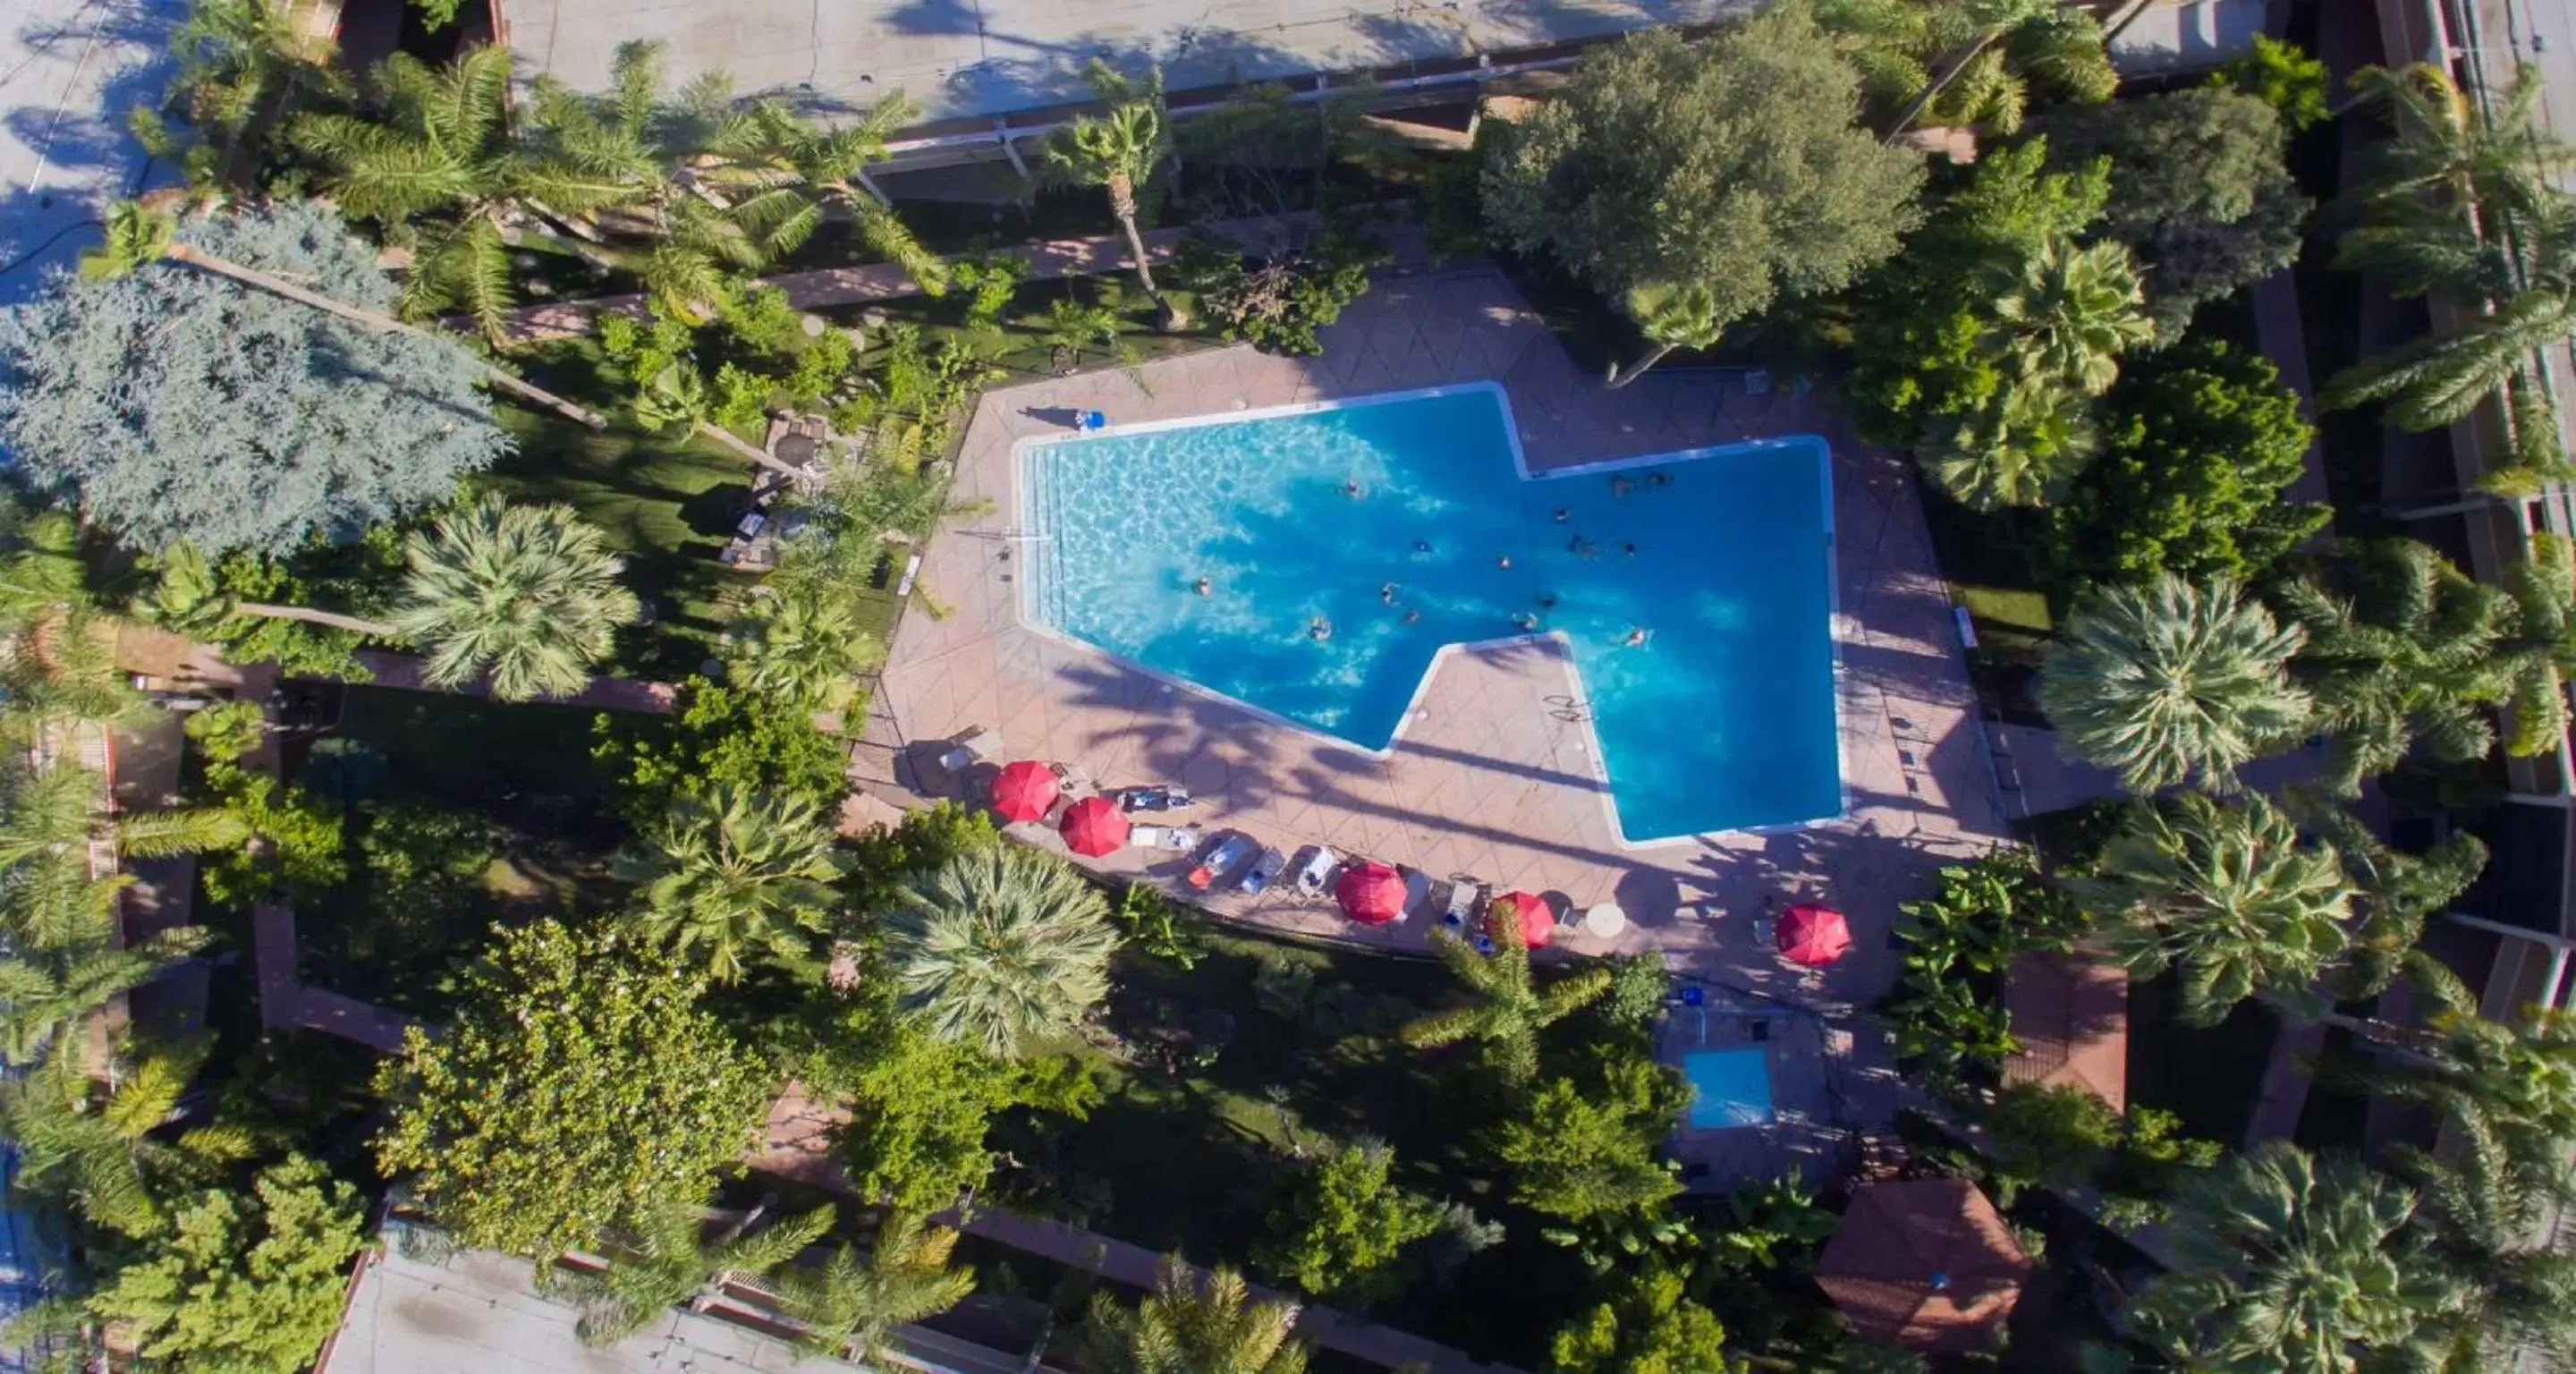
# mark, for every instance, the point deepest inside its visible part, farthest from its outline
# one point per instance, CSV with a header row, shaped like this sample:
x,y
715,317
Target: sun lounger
x,y
1270,865
1180,837
983,744
1164,798
1217,862
1315,870
1466,898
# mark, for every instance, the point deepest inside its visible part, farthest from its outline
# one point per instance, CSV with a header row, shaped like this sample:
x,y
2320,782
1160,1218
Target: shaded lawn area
x,y
1191,1157
2206,1076
1018,344
666,503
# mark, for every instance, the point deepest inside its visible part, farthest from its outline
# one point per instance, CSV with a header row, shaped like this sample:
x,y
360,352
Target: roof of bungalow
x,y
2071,1015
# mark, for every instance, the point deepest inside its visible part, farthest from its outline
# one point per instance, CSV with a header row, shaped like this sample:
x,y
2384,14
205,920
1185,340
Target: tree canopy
x,y
1738,163
173,404
579,1082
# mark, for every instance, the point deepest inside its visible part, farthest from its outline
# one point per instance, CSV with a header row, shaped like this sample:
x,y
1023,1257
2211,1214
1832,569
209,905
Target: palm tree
x,y
2284,1262
99,1150
238,61
735,875
799,641
663,1259
852,1305
136,235
526,594
438,163
788,174
46,995
1670,317
2437,380
2226,890
55,812
2067,314
2400,649
1508,1008
2167,682
2394,891
2486,1220
1117,150
62,675
1001,947
1982,46
1188,1327
2512,1080
2025,447
2539,650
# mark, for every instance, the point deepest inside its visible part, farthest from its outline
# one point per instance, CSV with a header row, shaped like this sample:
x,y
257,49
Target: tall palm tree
x,y
2486,1220
2400,649
2025,447
1966,61
2538,651
734,876
1508,1008
1670,317
526,594
136,234
45,995
1117,150
786,175
663,1258
239,60
2067,314
2437,380
1188,1327
852,1304
438,163
55,811
99,1147
2284,1262
62,674
1001,948
2513,1080
2394,891
2229,892
799,641
2167,681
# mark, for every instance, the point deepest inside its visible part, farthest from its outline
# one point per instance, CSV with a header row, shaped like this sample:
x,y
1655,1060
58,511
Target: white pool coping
x,y
1603,789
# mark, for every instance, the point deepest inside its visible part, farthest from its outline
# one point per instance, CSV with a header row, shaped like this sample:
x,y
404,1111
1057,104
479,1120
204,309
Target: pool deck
x,y
1487,778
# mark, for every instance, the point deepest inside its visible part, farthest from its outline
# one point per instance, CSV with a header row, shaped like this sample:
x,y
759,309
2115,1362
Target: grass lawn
x,y
1273,1046
666,502
2207,1076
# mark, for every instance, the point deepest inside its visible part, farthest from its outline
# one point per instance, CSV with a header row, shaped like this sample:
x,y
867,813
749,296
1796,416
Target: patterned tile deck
x,y
1486,780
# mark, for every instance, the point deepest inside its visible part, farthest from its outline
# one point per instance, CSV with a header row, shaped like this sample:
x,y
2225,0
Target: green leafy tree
x,y
2283,1261
2510,1081
730,876
239,61
524,595
1670,317
850,1306
2281,75
1344,1225
1001,948
723,737
338,427
96,1144
1507,1007
1947,1007
434,161
2230,893
1278,304
921,1107
2199,446
2058,1136
2168,681
2199,192
2401,652
1639,985
241,1283
1772,1225
1651,1327
1117,150
1737,164
1586,1146
1193,1326
578,1082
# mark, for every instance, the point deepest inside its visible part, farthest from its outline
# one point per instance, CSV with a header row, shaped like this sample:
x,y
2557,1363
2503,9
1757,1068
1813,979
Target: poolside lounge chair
x,y
1318,867
981,744
1466,898
1270,865
1217,862
1180,837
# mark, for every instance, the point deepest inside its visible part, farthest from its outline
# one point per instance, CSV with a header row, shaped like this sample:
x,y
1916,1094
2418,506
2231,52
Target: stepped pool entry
x,y
1313,562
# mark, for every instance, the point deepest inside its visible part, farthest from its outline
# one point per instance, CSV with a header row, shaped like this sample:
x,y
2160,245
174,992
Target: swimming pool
x,y
1406,523
1728,1088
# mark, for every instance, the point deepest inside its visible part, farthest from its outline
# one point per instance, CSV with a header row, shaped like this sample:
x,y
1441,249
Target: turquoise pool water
x,y
1728,1088
1723,720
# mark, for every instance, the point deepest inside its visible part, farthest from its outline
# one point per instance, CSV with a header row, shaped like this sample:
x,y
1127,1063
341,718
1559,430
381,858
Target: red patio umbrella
x,y
1024,791
1371,893
1538,923
1812,934
1094,826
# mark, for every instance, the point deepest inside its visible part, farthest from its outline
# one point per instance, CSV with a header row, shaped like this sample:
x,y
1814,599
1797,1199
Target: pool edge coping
x,y
1602,791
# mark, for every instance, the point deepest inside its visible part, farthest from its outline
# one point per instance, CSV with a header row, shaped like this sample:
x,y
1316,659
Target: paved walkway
x,y
285,1003
408,672
884,281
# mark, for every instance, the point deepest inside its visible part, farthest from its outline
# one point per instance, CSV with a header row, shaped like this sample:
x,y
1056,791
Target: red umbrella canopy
x,y
1095,826
1811,934
1537,922
1024,791
1371,893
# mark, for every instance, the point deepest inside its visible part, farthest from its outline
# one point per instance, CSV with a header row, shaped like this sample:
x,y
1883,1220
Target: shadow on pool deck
x,y
1488,779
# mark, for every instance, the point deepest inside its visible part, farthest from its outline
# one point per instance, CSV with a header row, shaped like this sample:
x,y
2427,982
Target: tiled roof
x,y
1924,1262
2071,1015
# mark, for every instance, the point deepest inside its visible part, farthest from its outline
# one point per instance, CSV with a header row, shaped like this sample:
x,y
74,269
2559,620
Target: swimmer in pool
x,y
1352,489
1201,586
1581,547
1546,601
1659,479
1504,562
1411,616
1387,593
1637,636
1621,486
1319,629
1630,550
1422,546
1525,621
1562,515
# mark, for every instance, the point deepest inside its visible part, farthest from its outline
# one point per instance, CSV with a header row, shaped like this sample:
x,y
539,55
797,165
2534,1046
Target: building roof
x,y
1924,1262
965,58
2071,1015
